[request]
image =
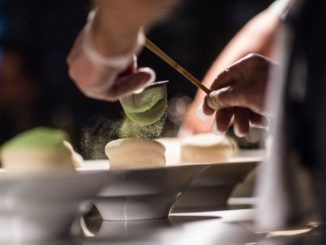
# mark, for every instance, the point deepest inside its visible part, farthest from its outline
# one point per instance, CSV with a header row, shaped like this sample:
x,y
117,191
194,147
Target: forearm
x,y
101,60
113,34
118,22
257,36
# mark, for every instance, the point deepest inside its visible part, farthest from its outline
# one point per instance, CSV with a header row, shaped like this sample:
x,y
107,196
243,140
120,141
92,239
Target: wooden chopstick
x,y
156,50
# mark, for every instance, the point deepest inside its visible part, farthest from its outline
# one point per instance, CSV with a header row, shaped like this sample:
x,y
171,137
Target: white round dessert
x,y
135,153
207,148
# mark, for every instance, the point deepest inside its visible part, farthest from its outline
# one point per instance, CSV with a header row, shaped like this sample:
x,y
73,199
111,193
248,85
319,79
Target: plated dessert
x,y
139,185
40,192
135,153
210,189
199,149
207,148
39,150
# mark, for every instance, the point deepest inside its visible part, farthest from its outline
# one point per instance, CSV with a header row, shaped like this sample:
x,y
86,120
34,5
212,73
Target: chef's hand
x,y
238,95
99,80
101,60
105,82
257,36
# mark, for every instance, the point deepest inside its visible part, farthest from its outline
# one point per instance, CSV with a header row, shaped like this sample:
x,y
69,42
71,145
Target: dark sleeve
x,y
306,90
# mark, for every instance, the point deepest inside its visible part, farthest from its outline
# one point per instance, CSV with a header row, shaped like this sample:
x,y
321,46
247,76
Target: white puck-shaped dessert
x,y
135,153
37,150
207,148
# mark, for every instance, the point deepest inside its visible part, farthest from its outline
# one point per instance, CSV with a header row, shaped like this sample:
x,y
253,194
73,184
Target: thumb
x,y
126,85
225,97
150,72
234,97
145,72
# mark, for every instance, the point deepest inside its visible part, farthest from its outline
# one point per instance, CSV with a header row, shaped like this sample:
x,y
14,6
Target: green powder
x,y
131,129
144,117
96,133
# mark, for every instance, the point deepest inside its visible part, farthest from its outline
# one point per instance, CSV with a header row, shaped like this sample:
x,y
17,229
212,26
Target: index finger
x,y
229,76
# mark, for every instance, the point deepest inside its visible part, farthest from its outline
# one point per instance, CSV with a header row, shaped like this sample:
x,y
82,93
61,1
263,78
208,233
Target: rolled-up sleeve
x,y
281,7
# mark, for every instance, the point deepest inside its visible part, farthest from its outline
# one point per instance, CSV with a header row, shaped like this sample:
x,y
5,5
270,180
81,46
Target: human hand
x,y
239,95
99,80
111,34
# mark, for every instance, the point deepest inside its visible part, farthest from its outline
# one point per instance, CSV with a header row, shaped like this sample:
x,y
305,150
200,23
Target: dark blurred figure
x,y
305,99
20,92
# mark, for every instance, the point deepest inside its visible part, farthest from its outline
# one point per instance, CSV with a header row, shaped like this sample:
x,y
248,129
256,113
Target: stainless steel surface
x,y
138,207
206,228
214,227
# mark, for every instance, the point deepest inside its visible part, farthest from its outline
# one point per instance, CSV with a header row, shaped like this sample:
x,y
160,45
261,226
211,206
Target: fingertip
x,y
212,100
145,77
238,132
216,131
128,85
150,72
259,121
217,99
144,80
206,109
241,123
223,119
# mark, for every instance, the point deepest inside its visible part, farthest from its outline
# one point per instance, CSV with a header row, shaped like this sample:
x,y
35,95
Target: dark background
x,y
39,34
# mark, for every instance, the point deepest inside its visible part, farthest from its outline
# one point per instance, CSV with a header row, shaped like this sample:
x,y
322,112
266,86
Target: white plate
x,y
139,194
43,206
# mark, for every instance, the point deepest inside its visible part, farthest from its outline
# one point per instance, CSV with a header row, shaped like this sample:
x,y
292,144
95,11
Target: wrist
x,y
113,37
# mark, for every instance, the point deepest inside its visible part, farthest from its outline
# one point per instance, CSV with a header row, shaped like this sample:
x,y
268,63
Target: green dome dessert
x,y
37,150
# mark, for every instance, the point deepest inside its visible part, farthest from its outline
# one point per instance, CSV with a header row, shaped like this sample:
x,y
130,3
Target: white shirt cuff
x,y
117,61
280,7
